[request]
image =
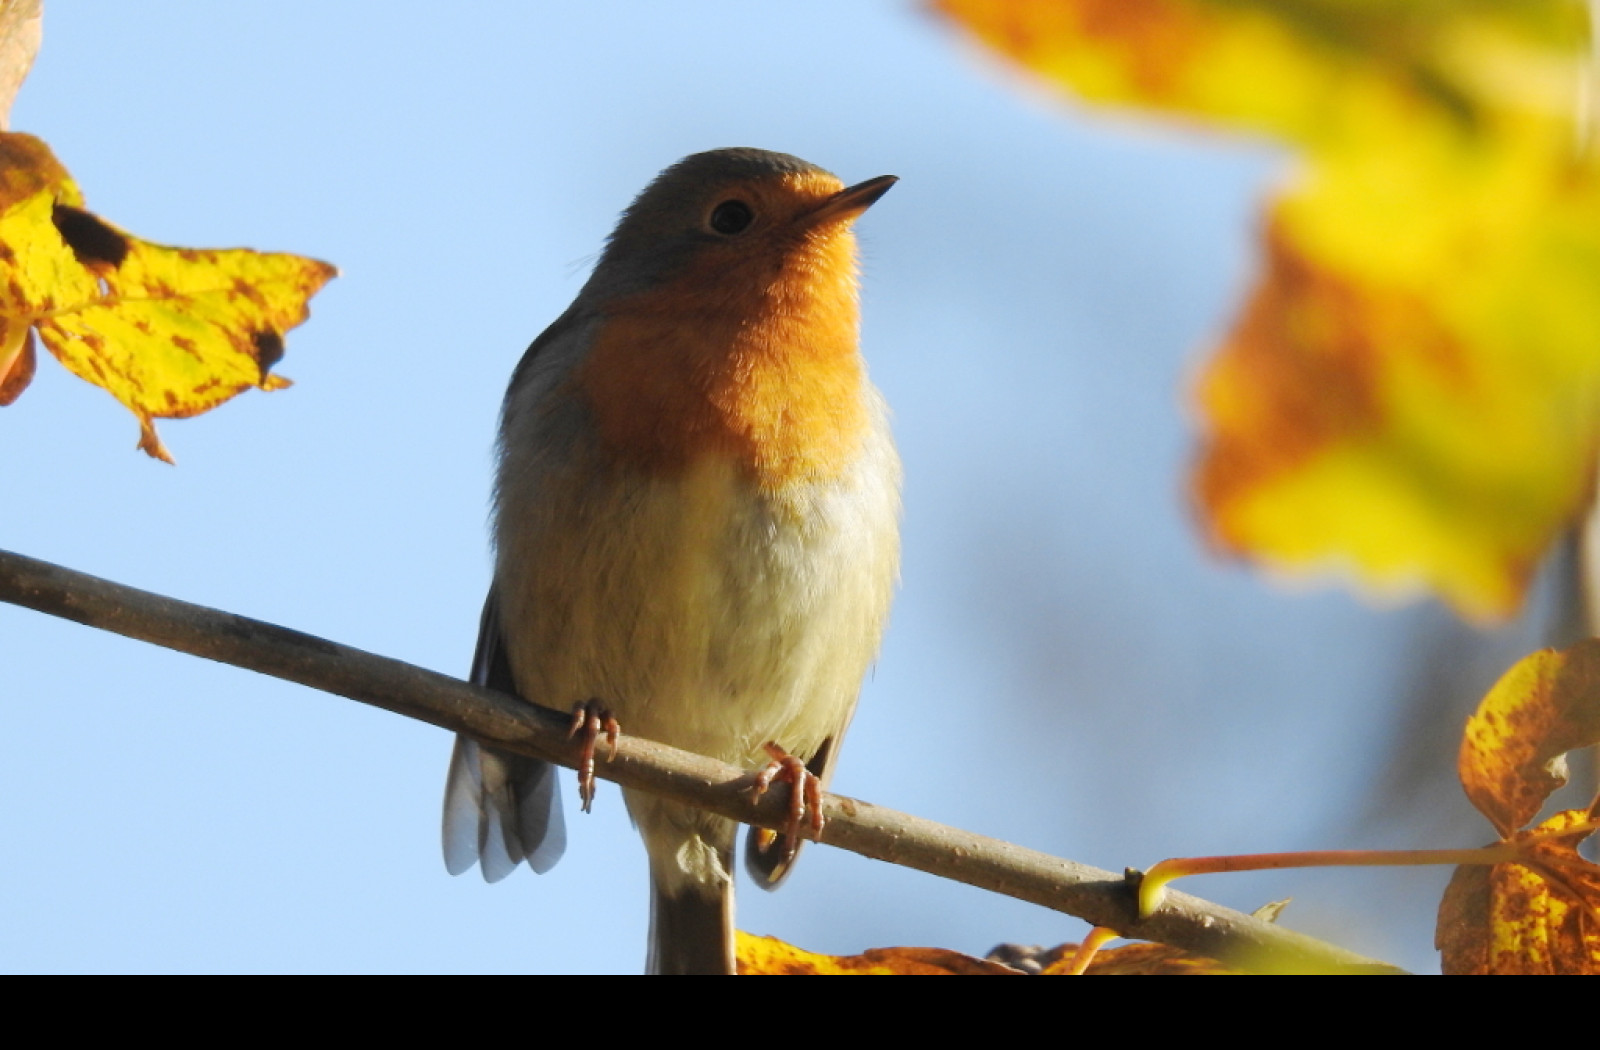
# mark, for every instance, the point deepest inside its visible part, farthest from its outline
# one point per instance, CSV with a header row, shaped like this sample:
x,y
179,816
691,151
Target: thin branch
x,y
1099,897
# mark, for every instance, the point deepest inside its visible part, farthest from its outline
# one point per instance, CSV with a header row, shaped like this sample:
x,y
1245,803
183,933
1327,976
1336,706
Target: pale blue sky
x,y
1067,667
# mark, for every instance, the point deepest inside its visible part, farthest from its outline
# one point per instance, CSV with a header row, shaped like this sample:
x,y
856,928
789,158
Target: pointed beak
x,y
852,201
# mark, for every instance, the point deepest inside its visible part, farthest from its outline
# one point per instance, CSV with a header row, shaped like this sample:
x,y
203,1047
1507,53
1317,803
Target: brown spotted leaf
x,y
1513,752
1537,910
1540,915
169,332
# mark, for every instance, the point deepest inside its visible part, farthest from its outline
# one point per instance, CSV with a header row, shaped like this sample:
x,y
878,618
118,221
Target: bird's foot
x,y
805,799
591,719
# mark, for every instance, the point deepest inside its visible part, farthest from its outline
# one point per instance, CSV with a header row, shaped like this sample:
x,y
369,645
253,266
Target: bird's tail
x,y
691,930
500,808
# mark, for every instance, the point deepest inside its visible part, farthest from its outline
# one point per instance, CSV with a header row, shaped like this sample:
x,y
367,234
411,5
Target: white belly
x,y
703,613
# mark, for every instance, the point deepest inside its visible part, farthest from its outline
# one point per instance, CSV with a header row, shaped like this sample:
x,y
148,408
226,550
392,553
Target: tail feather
x,y
691,932
500,809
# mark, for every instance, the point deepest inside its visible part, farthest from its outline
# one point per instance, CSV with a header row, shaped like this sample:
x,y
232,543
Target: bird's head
x,y
729,321
734,220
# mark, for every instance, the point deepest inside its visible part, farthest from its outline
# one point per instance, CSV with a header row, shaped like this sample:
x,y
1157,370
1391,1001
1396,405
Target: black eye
x,y
731,217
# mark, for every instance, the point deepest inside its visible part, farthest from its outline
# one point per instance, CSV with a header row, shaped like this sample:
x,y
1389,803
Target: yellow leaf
x,y
1412,390
169,332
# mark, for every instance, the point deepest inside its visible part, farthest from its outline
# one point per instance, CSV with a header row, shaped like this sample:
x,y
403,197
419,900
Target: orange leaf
x,y
169,332
1411,392
768,955
1146,960
17,361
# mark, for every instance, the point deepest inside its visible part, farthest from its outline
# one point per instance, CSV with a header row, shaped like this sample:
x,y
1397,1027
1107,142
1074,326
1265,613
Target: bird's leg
x,y
591,718
805,797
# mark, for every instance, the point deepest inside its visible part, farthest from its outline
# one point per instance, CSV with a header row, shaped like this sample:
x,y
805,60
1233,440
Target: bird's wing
x,y
558,329
499,808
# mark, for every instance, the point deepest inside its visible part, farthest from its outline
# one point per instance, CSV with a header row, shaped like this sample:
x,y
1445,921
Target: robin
x,y
696,526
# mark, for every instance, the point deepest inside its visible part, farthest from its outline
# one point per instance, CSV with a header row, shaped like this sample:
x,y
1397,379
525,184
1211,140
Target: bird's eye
x,y
731,217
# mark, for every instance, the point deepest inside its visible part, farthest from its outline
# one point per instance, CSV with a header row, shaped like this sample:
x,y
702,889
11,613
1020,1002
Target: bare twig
x,y
1099,897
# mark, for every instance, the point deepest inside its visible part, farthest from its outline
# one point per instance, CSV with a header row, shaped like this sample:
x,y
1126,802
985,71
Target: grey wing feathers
x,y
499,808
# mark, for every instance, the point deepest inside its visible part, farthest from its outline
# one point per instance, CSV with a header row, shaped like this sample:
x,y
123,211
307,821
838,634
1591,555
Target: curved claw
x,y
591,718
805,797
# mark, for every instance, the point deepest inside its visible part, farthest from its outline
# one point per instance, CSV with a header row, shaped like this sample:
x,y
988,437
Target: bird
x,y
696,528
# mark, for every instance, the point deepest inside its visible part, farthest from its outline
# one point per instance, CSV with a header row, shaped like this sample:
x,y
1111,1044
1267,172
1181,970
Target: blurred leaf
x,y
169,332
1412,390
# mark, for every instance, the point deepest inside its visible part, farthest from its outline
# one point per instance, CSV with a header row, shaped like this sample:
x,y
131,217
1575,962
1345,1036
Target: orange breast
x,y
750,355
